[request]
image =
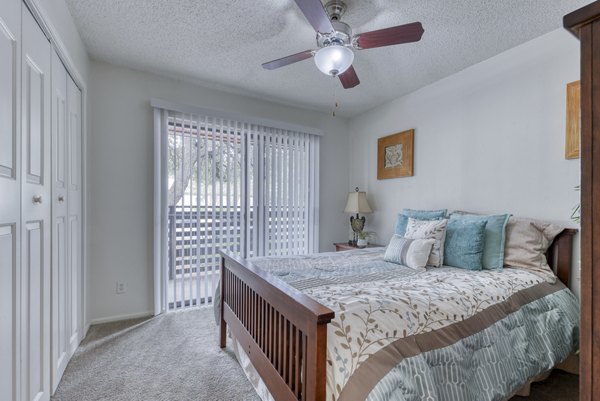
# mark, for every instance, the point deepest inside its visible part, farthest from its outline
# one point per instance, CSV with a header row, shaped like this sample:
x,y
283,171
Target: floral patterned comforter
x,y
396,328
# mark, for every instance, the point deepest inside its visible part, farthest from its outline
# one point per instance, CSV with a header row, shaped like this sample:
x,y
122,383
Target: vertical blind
x,y
247,188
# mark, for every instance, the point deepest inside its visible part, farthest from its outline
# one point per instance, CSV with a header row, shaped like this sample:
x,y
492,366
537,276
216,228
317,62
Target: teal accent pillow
x,y
495,237
464,245
402,219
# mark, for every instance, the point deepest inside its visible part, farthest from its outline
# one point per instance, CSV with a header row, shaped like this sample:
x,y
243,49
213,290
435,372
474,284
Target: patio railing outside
x,y
195,237
197,233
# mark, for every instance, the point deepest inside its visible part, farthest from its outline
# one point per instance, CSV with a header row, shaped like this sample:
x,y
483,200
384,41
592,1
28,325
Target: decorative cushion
x,y
429,229
412,253
465,243
402,219
526,244
495,236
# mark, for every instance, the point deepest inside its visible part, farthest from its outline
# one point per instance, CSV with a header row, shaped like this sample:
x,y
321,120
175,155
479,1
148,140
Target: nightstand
x,y
344,246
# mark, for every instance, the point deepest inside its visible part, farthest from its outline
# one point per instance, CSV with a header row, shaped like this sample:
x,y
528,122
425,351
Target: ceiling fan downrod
x,y
335,9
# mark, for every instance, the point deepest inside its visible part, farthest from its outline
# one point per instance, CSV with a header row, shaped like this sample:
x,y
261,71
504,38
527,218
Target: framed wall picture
x,y
395,155
573,120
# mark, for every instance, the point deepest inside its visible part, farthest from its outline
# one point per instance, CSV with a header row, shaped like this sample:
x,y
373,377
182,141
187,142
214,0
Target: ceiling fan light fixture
x,y
334,59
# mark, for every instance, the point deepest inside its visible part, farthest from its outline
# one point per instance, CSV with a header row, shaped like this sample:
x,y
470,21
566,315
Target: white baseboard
x,y
110,319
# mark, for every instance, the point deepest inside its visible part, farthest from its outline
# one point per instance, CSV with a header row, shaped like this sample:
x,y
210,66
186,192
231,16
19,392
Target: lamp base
x,y
357,224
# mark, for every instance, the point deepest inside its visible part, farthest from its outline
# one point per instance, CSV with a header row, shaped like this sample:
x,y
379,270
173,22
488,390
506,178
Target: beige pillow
x,y
526,244
429,229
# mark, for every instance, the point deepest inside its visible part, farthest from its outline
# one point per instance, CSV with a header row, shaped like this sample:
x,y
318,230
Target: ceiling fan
x,y
335,41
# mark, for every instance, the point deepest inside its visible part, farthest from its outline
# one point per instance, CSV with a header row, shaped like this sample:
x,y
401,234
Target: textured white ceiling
x,y
224,42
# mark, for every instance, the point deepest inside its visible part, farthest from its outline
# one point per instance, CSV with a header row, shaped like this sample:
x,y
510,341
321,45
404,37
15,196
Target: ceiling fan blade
x,y
349,78
282,62
315,14
390,36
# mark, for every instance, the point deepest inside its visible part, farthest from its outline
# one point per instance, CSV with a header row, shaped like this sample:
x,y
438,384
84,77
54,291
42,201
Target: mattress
x,y
430,334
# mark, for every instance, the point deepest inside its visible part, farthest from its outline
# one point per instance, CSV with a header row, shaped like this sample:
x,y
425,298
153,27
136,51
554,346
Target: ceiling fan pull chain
x,y
335,103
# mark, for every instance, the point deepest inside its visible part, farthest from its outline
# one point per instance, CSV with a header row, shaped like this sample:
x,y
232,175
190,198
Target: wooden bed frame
x,y
284,332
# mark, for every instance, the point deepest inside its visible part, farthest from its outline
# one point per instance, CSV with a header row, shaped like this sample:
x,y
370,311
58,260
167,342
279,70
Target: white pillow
x,y
412,253
429,229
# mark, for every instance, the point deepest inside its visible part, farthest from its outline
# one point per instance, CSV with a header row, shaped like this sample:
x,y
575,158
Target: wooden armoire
x,y
585,24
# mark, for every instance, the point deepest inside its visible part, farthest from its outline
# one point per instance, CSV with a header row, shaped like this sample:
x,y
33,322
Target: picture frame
x,y
395,155
573,129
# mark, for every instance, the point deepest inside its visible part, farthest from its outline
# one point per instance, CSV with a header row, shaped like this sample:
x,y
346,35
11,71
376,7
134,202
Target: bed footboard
x,y
283,332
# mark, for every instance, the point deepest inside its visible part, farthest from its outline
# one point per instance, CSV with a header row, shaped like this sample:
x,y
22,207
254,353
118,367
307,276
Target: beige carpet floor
x,y
175,357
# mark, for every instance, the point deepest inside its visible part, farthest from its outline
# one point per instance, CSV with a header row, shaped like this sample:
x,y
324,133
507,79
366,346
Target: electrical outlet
x,y
121,287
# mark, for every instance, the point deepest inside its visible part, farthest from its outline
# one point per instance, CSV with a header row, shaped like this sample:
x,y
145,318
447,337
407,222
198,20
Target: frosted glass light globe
x,y
334,59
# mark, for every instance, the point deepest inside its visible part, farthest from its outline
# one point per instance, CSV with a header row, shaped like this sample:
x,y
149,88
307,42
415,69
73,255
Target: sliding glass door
x,y
230,185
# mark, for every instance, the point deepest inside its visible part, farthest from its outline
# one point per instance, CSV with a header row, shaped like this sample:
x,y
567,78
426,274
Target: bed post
x,y
223,324
560,253
316,359
564,255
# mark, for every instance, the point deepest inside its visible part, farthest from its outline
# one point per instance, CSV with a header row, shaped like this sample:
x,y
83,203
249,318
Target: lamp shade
x,y
334,59
357,203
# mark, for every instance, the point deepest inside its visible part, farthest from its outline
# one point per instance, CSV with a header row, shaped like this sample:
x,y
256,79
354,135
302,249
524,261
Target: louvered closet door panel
x,y
74,196
10,195
36,212
61,275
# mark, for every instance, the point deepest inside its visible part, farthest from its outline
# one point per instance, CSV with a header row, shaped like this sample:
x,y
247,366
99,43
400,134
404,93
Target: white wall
x,y
120,150
487,139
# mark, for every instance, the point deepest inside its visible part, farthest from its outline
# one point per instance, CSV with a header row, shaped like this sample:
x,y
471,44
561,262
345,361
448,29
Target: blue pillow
x,y
495,237
465,241
402,219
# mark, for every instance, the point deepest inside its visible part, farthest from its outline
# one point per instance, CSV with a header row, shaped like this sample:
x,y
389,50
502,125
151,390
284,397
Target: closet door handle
x,y
37,199
61,198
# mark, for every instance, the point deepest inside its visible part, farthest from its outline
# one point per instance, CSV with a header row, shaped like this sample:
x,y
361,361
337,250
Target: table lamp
x,y
357,203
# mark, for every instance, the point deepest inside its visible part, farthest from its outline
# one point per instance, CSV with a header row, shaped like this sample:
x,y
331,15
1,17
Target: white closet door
x,y
36,211
74,195
10,198
61,275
